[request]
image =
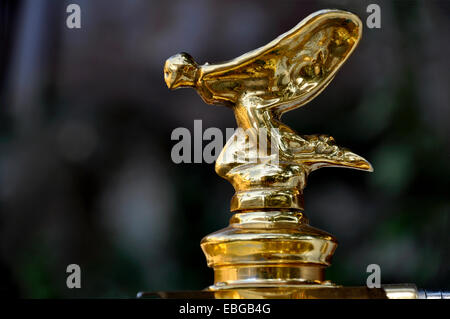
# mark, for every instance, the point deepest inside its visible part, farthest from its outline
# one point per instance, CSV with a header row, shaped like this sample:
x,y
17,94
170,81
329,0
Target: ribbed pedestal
x,y
268,248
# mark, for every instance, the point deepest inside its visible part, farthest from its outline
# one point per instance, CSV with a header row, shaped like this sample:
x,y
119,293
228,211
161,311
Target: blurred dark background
x,y
86,175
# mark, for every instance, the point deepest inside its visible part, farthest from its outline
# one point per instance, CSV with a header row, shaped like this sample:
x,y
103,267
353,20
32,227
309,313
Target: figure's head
x,y
180,70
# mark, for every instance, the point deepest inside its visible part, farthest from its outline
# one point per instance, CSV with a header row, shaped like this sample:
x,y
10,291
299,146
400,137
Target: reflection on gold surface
x,y
269,242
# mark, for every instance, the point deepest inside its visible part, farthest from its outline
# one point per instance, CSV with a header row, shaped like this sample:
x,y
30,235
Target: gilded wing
x,y
289,71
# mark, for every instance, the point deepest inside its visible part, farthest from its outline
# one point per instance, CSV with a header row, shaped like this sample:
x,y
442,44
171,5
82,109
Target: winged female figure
x,y
260,86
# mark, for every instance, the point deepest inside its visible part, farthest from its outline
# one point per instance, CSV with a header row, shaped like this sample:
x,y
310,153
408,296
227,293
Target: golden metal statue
x,y
260,86
269,249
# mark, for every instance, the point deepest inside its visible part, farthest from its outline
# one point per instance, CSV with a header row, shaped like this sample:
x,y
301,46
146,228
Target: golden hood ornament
x,y
269,249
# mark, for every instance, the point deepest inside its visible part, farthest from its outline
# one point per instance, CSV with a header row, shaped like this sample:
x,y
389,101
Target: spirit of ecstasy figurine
x,y
269,250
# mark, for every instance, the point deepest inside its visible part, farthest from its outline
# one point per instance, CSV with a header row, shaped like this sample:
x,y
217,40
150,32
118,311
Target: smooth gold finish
x,y
269,243
268,248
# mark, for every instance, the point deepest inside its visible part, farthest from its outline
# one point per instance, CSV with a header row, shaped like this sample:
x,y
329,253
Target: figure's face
x,y
171,70
178,71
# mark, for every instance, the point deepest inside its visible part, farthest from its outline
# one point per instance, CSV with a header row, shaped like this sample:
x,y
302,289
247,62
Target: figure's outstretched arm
x,y
321,151
289,71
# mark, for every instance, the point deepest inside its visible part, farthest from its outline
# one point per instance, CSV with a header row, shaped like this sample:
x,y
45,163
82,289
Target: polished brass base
x,y
268,249
267,275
